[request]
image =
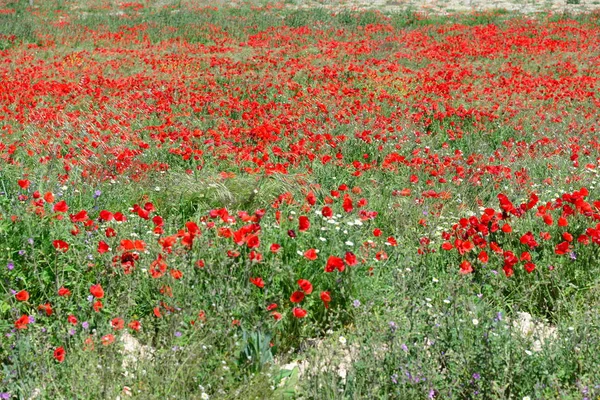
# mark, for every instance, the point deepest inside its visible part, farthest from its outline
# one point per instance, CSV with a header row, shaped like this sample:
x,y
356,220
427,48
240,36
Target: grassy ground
x,y
269,202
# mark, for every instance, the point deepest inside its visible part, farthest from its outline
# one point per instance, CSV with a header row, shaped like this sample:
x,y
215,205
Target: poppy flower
x,y
106,215
47,308
299,312
176,274
326,298
88,344
483,257
103,247
303,223
562,221
562,248
97,291
327,212
334,263
277,316
23,295
297,297
305,285
135,325
60,245
253,241
72,319
529,267
81,216
59,354
49,197
465,268
350,259
271,306
117,323
347,204
22,322
23,183
310,254
275,248
61,207
258,282
97,306
108,339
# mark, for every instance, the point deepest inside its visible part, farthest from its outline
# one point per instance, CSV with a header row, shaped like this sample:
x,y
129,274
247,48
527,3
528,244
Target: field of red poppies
x,y
268,202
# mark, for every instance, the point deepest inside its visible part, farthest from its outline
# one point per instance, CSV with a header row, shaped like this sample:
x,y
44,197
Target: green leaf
x,y
287,390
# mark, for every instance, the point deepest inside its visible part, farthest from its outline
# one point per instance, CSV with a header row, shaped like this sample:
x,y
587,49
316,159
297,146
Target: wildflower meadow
x,y
204,200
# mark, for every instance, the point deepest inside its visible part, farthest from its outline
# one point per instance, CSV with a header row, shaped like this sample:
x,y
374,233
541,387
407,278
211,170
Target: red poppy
x,y
49,197
311,198
23,183
562,221
59,354
60,245
297,297
529,267
483,257
61,207
88,344
23,295
97,306
108,339
271,306
562,248
465,268
81,216
305,285
253,241
97,291
506,228
22,322
106,215
299,312
258,282
47,308
117,323
310,254
327,212
347,204
303,223
135,325
277,316
334,263
72,319
132,245
176,274
275,247
326,298
350,259
102,247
